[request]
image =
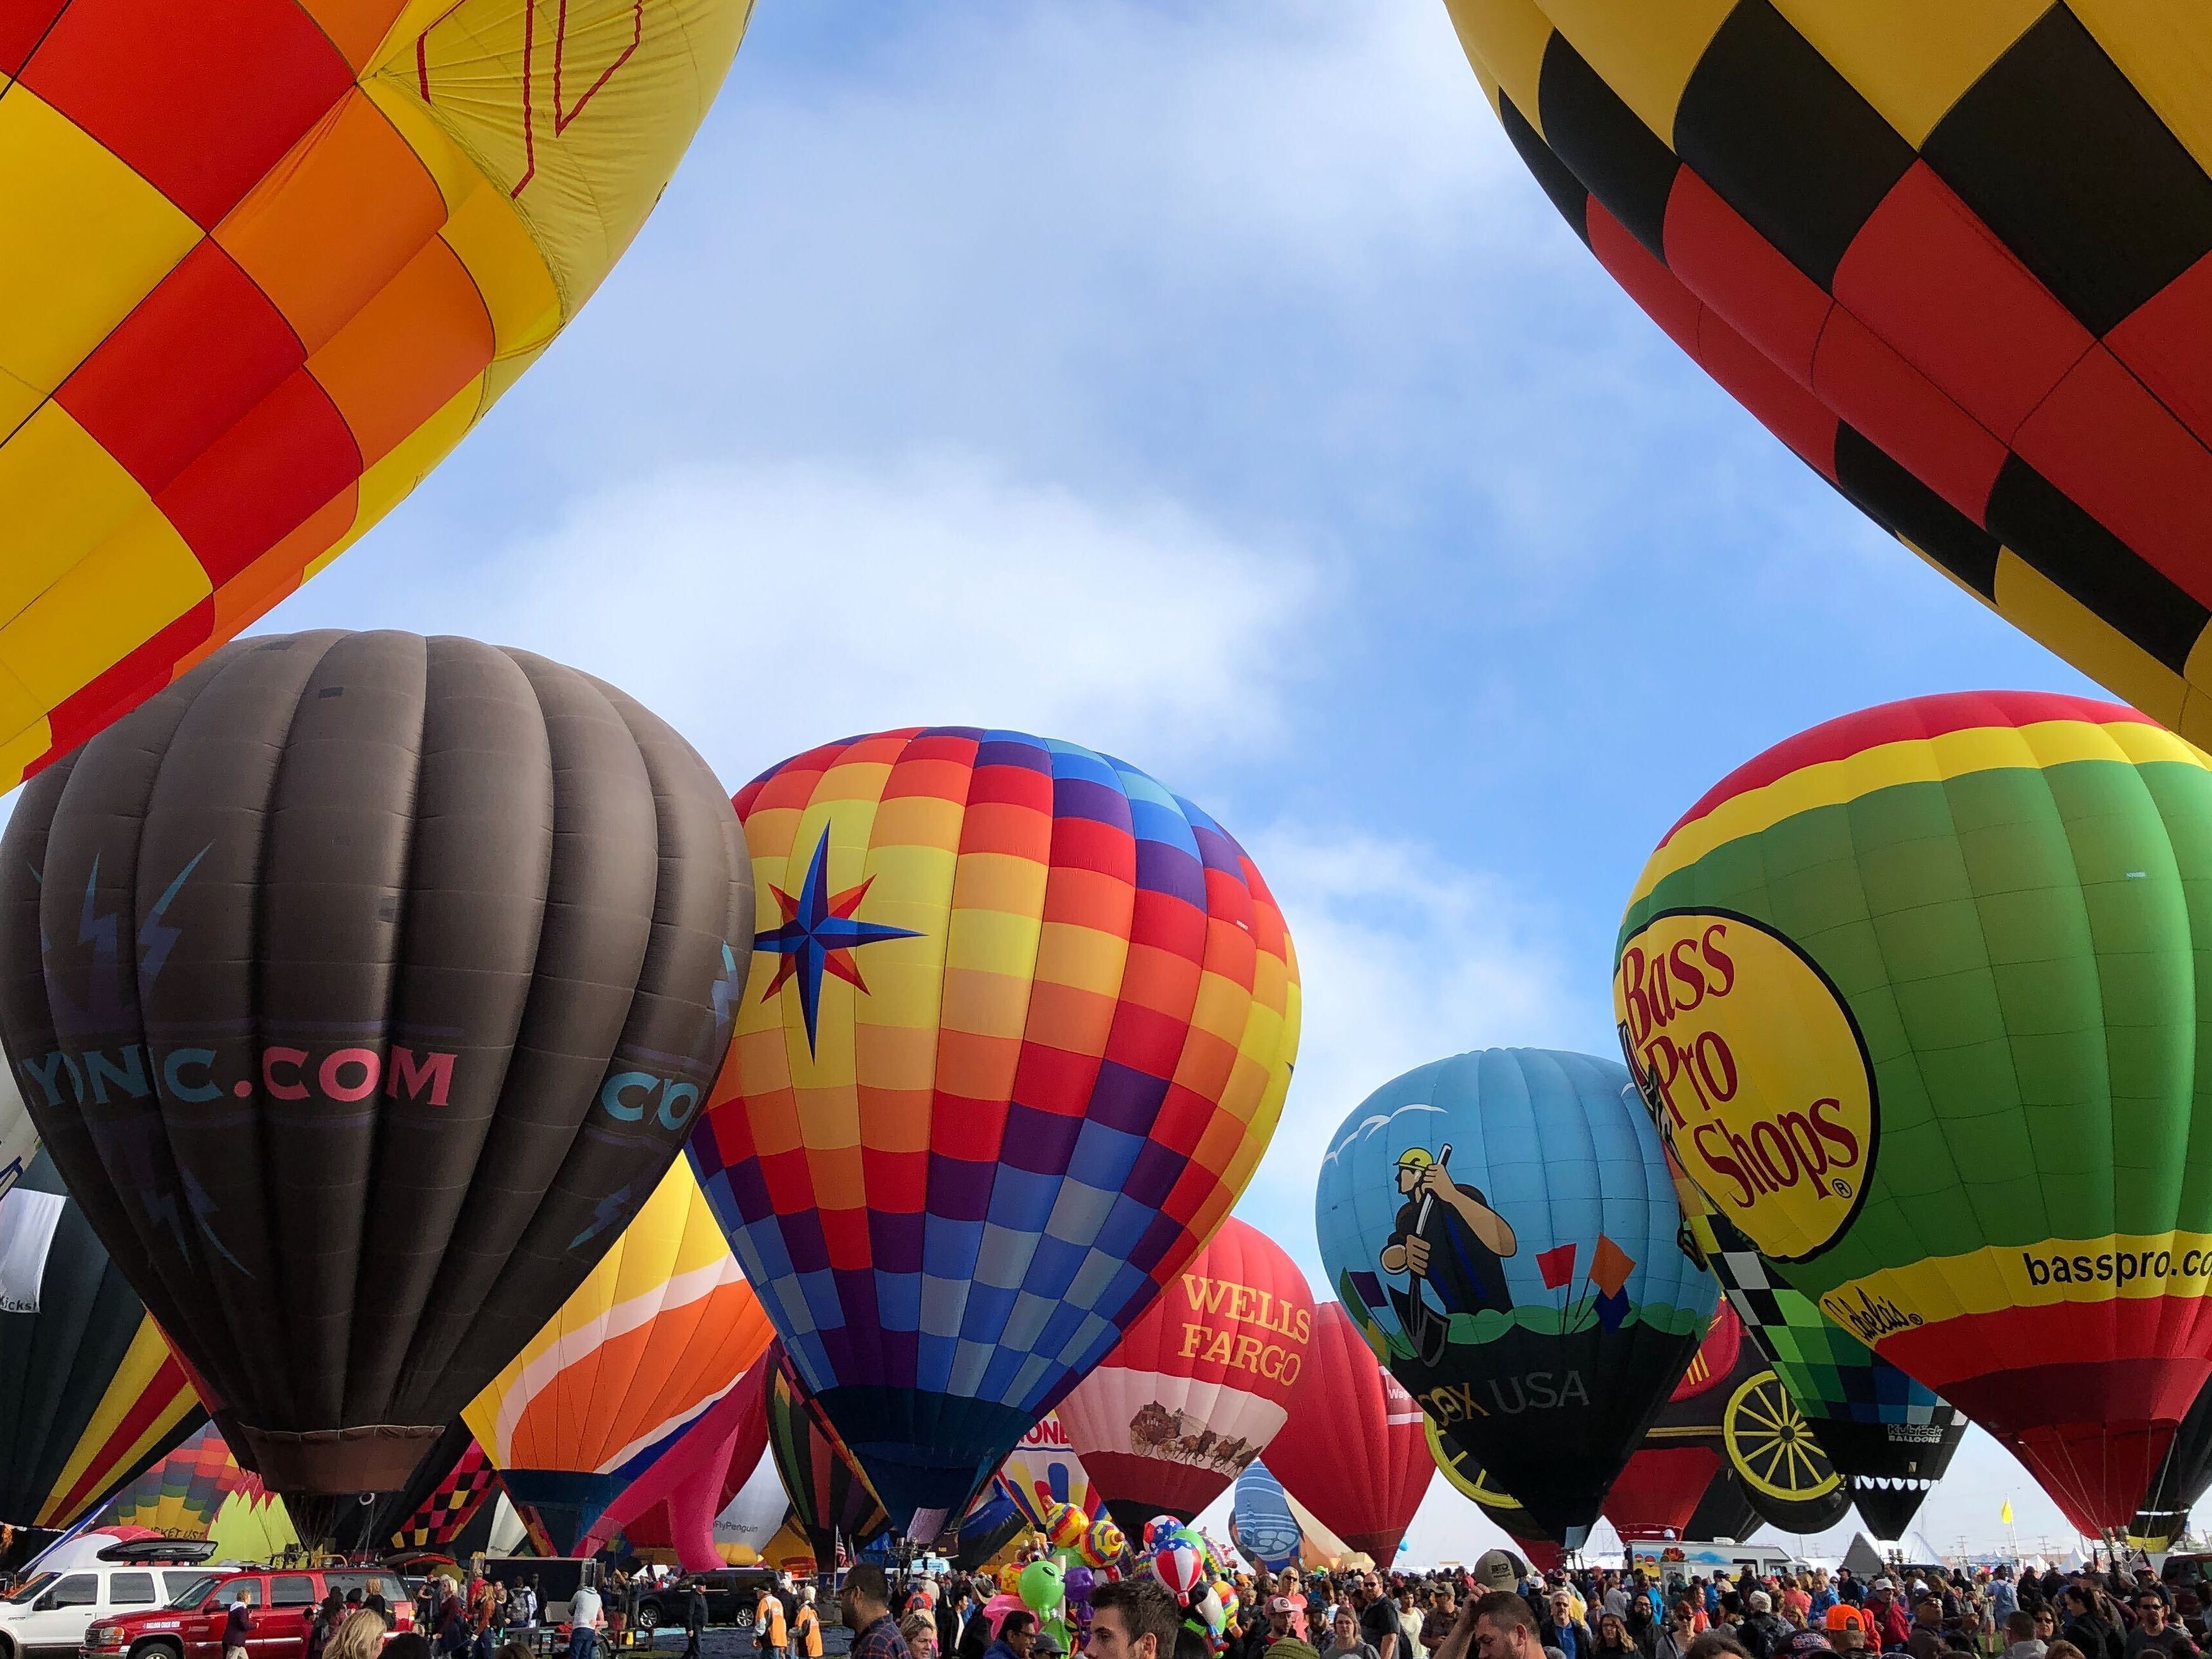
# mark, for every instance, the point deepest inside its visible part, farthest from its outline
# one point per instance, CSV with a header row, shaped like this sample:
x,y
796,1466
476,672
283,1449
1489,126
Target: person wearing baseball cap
x,y
1847,1629
1499,1569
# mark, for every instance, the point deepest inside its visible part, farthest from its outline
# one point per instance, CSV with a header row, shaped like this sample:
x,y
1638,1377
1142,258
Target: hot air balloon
x,y
658,1333
673,1503
1029,1029
268,263
1501,1226
90,1395
1352,1449
2184,1475
830,1497
1728,1413
385,977
198,1491
451,1498
1912,996
179,1495
19,1136
993,1521
1042,1470
1959,272
753,1515
1891,1438
1657,1490
1199,1385
1261,1523
1724,1511
1463,1472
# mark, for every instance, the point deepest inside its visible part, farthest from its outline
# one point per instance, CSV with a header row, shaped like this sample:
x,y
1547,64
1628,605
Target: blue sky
x,y
1212,386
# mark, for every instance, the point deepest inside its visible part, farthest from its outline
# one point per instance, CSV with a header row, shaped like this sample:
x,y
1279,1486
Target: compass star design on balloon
x,y
819,935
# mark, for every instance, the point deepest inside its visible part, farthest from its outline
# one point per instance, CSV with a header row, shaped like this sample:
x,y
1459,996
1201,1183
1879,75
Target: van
x,y
50,1613
282,1601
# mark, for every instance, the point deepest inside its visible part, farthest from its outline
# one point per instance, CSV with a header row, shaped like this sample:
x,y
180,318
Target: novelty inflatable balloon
x,y
830,1497
1104,1544
1029,1029
1502,1227
1065,1527
1044,1470
90,1395
1261,1523
1080,1581
1043,1589
1179,1564
1913,996
1201,1383
1351,1449
1889,1437
268,262
1957,267
19,1137
365,986
658,1333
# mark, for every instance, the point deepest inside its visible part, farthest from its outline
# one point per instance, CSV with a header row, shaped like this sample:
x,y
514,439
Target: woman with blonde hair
x,y
920,1632
361,1637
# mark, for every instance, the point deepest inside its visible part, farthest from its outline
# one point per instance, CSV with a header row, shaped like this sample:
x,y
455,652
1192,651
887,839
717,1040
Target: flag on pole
x,y
2005,1513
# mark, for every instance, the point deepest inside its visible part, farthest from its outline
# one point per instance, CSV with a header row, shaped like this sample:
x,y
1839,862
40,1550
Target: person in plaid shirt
x,y
865,1600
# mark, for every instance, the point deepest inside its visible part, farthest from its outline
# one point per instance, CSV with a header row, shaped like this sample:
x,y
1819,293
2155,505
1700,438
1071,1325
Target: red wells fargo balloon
x,y
1199,1384
1353,1450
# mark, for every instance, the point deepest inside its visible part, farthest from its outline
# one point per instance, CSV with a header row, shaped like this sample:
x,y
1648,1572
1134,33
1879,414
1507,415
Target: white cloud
x,y
763,610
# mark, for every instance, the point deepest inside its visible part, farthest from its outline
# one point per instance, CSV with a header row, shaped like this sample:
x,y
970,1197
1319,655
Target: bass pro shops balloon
x,y
1916,998
266,262
365,987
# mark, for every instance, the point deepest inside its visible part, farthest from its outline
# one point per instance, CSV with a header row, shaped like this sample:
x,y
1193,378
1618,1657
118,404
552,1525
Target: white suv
x,y
51,1612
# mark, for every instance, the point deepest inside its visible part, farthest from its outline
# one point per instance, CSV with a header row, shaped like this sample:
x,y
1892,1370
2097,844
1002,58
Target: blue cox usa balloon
x,y
1502,1228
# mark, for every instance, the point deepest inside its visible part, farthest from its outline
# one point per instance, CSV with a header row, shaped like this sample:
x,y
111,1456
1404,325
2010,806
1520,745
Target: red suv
x,y
283,1605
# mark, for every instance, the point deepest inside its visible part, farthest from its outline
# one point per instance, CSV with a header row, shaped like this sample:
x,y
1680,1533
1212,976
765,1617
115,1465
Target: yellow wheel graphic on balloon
x,y
1771,1447
1468,1476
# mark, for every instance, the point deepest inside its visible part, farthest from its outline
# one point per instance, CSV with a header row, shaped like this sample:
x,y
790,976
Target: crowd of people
x,y
1501,1609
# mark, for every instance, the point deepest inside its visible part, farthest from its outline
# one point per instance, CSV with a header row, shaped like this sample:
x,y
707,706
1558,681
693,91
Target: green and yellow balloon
x,y
1917,999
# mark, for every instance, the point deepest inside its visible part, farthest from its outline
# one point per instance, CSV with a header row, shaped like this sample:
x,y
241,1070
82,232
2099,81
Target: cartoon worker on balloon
x,y
1448,1239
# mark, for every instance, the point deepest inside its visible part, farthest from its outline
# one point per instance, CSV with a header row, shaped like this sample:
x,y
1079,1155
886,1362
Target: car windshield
x,y
195,1593
30,1591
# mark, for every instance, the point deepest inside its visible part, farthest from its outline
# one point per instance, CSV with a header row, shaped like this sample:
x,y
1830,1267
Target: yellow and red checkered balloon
x,y
262,265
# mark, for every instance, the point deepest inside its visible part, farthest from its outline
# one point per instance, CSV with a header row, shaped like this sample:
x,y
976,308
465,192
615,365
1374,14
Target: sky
x,y
1210,385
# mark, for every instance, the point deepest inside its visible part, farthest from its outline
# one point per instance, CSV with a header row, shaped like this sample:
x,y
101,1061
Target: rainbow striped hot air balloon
x,y
830,1497
661,1331
1031,1026
267,261
1916,998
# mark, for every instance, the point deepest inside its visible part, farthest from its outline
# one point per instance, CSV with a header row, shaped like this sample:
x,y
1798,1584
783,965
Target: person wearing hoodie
x,y
1760,1632
2021,1639
2087,1629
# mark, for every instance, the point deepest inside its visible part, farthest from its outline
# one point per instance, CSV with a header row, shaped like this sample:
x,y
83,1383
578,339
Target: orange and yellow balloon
x,y
262,265
662,1329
